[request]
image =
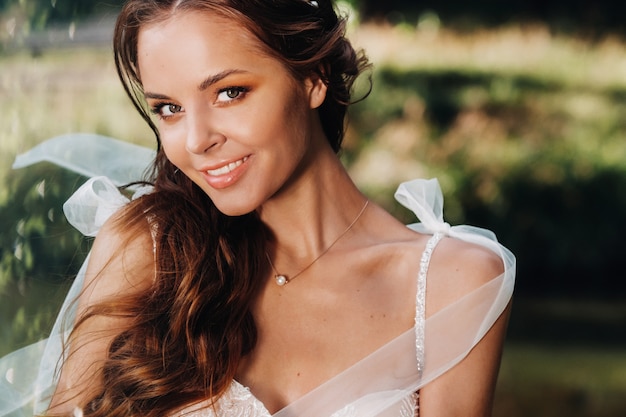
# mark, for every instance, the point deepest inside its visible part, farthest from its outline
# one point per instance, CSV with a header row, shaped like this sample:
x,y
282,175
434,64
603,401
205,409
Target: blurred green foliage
x,y
41,13
37,242
39,251
582,17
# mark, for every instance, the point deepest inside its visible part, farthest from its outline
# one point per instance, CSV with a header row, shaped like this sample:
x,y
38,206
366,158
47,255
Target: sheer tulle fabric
x,y
379,385
91,155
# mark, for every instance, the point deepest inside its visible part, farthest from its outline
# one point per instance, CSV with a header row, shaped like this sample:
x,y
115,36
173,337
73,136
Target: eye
x,y
231,93
167,110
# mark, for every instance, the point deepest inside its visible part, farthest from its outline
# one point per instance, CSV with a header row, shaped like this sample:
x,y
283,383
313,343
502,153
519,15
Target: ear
x,y
316,89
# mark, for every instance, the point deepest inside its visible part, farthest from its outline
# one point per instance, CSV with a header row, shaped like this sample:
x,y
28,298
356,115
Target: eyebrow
x,y
212,79
155,96
206,83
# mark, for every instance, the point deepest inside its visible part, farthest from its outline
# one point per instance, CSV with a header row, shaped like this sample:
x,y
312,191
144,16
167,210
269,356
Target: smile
x,y
226,168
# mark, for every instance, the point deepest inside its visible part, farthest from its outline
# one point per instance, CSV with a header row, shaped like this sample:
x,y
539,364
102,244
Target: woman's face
x,y
231,117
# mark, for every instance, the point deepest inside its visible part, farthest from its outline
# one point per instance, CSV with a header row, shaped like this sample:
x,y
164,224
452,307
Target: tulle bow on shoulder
x,y
425,199
92,205
94,202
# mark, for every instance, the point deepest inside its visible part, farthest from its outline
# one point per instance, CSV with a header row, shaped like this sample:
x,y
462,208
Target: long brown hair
x,y
188,333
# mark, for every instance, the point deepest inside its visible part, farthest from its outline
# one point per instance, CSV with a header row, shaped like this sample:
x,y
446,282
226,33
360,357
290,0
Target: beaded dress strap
x,y
420,299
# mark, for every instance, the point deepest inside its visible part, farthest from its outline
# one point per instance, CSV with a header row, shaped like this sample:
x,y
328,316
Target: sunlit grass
x,y
63,91
515,50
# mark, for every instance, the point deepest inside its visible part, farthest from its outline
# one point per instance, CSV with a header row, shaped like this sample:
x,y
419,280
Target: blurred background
x,y
517,107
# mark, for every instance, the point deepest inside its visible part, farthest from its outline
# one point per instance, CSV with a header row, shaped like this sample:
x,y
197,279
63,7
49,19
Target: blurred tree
x,y
40,13
37,242
573,16
589,17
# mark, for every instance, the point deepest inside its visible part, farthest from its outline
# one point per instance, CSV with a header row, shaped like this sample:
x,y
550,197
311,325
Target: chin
x,y
234,210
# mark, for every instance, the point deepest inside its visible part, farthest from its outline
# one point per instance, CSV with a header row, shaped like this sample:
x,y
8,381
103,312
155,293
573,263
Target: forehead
x,y
193,36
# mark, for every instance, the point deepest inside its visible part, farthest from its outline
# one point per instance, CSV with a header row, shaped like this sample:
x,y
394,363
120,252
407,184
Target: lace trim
x,y
417,404
420,300
410,406
237,401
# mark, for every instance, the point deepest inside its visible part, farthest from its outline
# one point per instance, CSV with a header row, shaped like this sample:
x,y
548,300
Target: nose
x,y
202,135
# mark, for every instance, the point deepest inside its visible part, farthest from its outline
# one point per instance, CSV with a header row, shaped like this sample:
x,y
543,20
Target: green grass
x,y
564,357
516,50
543,381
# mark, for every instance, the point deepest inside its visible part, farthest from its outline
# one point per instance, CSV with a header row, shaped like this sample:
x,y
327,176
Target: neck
x,y
310,213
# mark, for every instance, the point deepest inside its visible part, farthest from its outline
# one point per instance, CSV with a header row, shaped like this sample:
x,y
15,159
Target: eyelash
x,y
241,93
157,109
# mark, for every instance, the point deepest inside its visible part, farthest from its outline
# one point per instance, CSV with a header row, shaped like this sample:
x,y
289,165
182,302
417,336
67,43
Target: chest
x,y
307,340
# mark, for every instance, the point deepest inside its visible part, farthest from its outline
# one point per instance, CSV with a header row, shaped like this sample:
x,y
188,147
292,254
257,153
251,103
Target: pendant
x,y
280,280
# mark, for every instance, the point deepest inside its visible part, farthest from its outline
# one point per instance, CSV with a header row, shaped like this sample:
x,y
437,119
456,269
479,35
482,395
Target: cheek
x,y
289,118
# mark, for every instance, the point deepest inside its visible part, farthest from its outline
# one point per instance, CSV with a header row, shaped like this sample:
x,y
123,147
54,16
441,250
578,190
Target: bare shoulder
x,y
476,262
121,263
457,268
121,260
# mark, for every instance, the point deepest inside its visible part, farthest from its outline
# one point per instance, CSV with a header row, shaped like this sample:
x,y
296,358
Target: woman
x,y
256,278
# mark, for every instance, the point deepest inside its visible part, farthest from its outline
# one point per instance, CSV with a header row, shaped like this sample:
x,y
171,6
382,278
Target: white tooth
x,y
226,168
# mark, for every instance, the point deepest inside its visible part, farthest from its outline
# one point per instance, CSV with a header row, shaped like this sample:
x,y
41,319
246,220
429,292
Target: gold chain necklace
x,y
282,279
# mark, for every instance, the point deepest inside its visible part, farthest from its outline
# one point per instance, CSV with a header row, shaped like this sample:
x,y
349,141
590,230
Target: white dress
x,y
383,384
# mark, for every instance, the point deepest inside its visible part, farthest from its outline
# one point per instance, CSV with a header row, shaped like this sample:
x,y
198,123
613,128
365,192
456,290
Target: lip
x,y
226,173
